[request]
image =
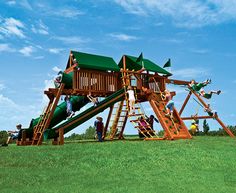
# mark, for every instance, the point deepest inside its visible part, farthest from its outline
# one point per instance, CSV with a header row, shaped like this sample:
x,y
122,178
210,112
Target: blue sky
x,y
37,36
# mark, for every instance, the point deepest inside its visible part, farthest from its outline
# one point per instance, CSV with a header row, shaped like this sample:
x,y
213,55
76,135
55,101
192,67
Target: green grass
x,y
204,164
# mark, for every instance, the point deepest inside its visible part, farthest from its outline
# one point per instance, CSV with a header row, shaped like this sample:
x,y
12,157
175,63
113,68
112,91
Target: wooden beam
x,y
185,103
177,82
224,127
197,117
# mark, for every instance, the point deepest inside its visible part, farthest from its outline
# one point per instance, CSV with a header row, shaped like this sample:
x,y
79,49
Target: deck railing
x,y
95,81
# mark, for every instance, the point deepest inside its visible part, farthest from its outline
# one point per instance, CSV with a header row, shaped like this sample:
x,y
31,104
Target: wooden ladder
x,y
119,120
145,130
174,127
46,117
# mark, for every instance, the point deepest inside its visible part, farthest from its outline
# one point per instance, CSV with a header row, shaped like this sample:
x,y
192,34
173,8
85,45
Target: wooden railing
x,y
90,81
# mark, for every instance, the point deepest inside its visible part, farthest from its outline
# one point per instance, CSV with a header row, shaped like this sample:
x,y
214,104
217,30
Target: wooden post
x,y
71,61
107,122
55,141
23,138
74,83
61,136
124,63
185,103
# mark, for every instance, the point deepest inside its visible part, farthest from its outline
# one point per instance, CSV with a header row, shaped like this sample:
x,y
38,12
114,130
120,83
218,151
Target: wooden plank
x,y
185,103
224,127
196,117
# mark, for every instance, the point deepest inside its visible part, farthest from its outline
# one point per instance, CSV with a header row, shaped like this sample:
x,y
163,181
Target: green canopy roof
x,y
95,62
132,64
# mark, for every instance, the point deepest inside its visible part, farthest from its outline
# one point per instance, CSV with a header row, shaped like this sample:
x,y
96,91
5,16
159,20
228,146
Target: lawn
x,y
203,164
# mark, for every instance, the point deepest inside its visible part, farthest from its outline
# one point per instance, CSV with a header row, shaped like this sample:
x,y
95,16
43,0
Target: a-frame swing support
x,y
203,117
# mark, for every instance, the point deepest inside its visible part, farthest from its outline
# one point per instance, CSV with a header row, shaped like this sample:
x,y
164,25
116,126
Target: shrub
x,y
3,137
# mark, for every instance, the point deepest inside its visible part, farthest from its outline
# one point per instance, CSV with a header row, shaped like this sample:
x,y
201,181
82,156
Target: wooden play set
x,y
100,76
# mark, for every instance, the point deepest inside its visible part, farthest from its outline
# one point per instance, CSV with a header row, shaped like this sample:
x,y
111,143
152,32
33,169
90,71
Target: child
x,y
13,134
197,86
94,100
193,127
99,128
170,103
69,111
142,126
131,99
209,94
151,120
209,111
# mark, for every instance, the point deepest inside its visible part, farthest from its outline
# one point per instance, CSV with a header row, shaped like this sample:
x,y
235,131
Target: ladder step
x,y
134,120
134,115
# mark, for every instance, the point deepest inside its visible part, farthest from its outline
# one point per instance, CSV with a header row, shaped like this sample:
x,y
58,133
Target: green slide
x,y
87,114
60,113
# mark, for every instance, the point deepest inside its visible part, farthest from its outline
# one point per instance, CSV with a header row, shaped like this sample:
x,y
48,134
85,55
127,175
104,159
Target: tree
x,y
206,127
89,133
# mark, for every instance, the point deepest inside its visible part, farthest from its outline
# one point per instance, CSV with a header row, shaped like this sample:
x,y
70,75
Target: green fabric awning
x,y
132,64
95,62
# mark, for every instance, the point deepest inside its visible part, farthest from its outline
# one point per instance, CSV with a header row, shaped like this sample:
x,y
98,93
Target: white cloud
x,y
67,12
11,26
55,50
190,73
25,4
11,2
6,102
184,13
200,51
172,40
47,84
2,86
27,51
12,113
72,39
39,57
56,69
41,28
232,115
159,24
5,48
123,37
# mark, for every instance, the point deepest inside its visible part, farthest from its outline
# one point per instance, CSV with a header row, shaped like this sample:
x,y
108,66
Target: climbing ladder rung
x,y
135,115
141,126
